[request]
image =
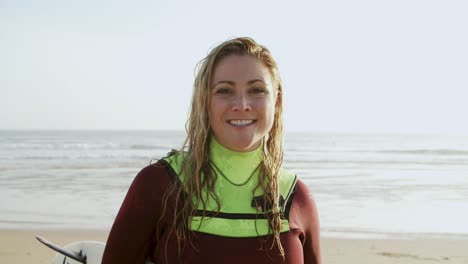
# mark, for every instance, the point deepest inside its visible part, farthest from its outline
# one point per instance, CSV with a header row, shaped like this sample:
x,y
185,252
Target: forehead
x,y
240,68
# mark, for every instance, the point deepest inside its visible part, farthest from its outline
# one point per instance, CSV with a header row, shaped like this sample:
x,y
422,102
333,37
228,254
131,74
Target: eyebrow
x,y
232,83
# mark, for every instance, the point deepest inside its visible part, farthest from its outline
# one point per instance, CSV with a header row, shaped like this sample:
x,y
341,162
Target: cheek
x,y
214,106
269,108
215,112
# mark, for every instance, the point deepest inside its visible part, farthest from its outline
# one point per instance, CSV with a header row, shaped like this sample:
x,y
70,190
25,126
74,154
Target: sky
x,y
364,66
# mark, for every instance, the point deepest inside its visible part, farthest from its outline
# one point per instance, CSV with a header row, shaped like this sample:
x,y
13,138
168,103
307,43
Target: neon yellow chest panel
x,y
240,214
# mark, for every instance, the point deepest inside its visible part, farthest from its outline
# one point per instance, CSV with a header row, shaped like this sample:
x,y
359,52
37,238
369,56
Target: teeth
x,y
240,122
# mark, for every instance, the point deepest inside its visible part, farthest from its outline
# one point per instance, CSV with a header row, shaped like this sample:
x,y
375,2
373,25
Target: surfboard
x,y
86,252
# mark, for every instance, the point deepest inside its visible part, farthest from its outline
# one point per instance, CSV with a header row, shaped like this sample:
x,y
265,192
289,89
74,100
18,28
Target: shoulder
x,y
153,175
154,169
303,195
304,216
303,209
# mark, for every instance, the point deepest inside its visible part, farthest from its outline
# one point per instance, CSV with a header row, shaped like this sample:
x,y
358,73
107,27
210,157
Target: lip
x,y
241,122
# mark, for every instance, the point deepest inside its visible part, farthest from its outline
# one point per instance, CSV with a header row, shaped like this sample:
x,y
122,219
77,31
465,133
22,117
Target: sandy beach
x,y
20,246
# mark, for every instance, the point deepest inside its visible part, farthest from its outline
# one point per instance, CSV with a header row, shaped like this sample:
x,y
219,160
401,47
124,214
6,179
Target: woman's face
x,y
242,102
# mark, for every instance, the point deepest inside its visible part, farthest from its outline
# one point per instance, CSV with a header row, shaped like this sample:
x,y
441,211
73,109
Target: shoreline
x,y
21,246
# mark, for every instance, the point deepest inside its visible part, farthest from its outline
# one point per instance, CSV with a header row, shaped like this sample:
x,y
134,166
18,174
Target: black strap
x,y
289,202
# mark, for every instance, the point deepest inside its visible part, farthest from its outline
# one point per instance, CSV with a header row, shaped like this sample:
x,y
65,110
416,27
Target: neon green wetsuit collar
x,y
237,216
236,166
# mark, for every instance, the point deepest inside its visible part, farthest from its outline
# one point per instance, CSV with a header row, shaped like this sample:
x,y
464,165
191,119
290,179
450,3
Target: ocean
x,y
365,185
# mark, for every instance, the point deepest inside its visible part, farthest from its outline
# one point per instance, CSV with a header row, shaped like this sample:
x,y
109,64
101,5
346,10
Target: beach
x,y
381,198
20,246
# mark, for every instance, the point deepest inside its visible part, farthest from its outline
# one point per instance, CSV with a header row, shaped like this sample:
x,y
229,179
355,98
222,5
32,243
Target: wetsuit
x,y
133,235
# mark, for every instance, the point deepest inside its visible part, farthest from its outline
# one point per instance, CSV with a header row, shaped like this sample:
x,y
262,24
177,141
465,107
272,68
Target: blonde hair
x,y
196,144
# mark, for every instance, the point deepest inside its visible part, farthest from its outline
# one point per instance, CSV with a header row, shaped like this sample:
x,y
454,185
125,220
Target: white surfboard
x,y
86,252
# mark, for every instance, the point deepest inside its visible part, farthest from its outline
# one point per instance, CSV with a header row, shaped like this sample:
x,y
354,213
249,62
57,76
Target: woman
x,y
224,198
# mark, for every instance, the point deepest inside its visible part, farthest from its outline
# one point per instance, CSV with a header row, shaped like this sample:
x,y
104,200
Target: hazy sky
x,y
347,66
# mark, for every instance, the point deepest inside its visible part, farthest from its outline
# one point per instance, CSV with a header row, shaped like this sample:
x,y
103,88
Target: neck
x,y
237,166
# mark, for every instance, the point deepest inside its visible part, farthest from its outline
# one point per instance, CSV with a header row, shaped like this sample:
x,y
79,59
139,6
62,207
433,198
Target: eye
x,y
257,90
222,91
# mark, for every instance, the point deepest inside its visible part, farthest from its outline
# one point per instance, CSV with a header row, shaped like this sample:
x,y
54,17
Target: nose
x,y
241,103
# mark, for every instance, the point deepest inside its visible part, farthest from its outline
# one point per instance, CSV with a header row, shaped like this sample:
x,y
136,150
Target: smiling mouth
x,y
243,122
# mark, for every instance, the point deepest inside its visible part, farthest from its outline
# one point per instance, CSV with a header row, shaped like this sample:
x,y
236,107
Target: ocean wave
x,y
80,146
150,147
312,162
426,152
59,146
89,157
384,151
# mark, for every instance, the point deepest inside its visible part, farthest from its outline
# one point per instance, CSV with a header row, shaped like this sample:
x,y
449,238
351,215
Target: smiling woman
x,y
224,197
242,102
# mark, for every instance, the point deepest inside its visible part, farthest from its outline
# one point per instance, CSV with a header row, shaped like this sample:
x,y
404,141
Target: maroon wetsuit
x,y
133,235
